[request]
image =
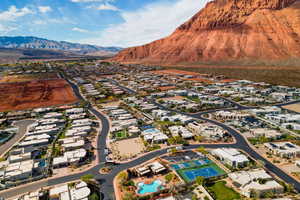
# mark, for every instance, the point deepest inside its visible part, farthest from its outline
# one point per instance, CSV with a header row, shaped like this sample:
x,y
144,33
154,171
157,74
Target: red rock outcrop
x,y
228,30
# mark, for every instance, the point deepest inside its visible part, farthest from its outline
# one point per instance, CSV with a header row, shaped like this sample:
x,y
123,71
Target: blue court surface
x,y
206,172
191,164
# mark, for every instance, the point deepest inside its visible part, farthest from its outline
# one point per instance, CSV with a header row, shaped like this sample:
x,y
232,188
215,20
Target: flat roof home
x,y
266,110
264,132
19,170
64,192
142,171
231,115
181,131
74,111
52,131
69,157
72,143
30,196
36,142
283,149
207,130
82,122
154,135
53,115
231,157
284,118
256,181
19,158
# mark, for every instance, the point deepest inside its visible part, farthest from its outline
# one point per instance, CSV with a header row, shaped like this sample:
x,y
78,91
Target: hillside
x,y
229,31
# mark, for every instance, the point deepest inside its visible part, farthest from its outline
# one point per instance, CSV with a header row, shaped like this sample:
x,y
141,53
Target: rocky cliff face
x,y
228,30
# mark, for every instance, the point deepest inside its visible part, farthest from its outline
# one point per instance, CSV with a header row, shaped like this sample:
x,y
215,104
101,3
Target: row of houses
x,y
121,118
73,144
80,191
283,149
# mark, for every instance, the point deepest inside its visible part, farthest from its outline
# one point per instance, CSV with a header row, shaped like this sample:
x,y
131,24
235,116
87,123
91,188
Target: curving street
x,y
106,181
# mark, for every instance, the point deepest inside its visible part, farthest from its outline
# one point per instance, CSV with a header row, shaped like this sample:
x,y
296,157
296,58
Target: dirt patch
x,y
200,80
173,98
288,76
128,149
166,88
293,107
178,72
29,77
34,94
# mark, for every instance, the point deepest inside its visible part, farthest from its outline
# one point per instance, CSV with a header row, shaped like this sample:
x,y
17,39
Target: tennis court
x,y
191,164
207,171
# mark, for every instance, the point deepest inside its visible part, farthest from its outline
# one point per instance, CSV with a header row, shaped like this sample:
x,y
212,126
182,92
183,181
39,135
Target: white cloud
x,y
79,30
152,22
106,6
44,9
4,30
13,13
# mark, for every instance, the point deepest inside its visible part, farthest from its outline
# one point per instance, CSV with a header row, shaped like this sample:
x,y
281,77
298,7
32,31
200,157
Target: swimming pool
x,y
149,188
151,130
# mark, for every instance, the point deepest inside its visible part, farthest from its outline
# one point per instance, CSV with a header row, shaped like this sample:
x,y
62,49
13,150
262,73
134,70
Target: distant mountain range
x,y
20,42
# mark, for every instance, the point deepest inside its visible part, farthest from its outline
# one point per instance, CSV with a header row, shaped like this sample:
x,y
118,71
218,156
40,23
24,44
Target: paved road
x,y
107,180
22,125
242,144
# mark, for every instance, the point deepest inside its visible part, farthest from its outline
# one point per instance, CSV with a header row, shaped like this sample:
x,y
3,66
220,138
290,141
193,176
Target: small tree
x,y
199,138
123,176
169,177
202,150
261,163
94,196
87,178
200,180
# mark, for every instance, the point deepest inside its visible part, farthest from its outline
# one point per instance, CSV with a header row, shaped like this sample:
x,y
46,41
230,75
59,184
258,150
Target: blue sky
x,y
102,22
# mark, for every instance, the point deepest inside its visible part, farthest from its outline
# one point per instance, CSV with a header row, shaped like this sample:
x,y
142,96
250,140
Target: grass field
x,y
221,192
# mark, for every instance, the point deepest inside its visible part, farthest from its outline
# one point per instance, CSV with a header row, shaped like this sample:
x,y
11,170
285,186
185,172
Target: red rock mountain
x,y
228,30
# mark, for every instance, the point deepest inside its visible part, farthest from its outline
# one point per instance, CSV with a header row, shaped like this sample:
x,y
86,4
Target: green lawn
x,y
222,192
121,134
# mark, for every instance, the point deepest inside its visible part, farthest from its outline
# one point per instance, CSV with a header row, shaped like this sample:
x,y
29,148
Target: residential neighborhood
x,y
138,132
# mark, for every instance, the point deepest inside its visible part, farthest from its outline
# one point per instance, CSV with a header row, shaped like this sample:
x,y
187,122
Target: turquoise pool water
x,y
149,188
